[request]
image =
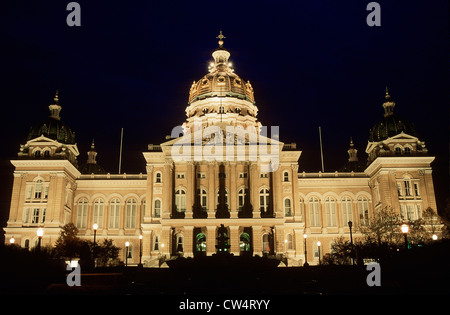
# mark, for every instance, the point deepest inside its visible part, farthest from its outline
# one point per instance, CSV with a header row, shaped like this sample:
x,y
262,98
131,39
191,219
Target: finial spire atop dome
x,y
55,108
220,37
388,105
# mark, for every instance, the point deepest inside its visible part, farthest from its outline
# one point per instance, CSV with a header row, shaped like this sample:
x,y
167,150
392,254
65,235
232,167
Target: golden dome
x,y
221,79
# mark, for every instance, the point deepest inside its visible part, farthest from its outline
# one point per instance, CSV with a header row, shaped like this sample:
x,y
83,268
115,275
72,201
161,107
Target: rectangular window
x,y
180,175
35,217
43,214
114,214
407,184
131,215
314,214
26,216
242,175
29,192
45,192
201,175
399,189
416,189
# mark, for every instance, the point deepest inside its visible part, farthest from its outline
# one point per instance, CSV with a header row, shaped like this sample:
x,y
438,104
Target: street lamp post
x,y
318,245
306,257
350,224
405,230
127,244
95,226
140,251
40,234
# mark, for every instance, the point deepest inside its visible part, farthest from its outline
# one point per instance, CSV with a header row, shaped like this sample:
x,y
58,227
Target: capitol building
x,y
221,166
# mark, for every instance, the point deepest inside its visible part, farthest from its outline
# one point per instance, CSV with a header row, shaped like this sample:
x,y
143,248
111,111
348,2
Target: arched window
x,y
285,176
407,151
244,242
38,189
114,214
287,207
46,154
98,212
330,209
266,243
26,244
180,242
200,242
347,213
158,177
203,199
82,213
398,151
37,153
289,242
156,243
131,206
241,199
264,200
180,200
314,212
363,210
157,210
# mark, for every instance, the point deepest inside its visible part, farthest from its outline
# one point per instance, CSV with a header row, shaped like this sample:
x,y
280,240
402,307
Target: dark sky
x,y
311,63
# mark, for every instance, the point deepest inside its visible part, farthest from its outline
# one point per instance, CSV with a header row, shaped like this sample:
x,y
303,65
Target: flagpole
x,y
120,152
321,150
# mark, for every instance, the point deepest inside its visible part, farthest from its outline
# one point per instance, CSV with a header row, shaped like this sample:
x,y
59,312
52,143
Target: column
x,y
211,240
234,239
295,194
190,193
166,241
149,198
257,240
211,189
233,191
167,190
188,241
254,192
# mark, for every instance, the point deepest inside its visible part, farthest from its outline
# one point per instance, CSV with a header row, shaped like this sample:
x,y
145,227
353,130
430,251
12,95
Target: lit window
x,y
330,209
363,210
266,243
38,189
82,213
314,212
180,200
289,242
157,208
98,212
264,200
114,214
241,199
287,207
203,199
347,214
130,222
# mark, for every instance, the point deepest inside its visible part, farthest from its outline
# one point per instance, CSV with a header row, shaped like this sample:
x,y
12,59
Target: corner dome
x,y
52,127
391,124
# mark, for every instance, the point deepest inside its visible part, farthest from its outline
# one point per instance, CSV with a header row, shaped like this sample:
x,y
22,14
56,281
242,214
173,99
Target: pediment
x,y
43,140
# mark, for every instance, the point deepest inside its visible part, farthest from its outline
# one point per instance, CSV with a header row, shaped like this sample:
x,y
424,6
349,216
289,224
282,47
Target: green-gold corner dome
x,y
391,124
52,127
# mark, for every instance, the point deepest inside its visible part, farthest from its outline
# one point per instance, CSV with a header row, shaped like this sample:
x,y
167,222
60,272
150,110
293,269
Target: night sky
x,y
311,63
